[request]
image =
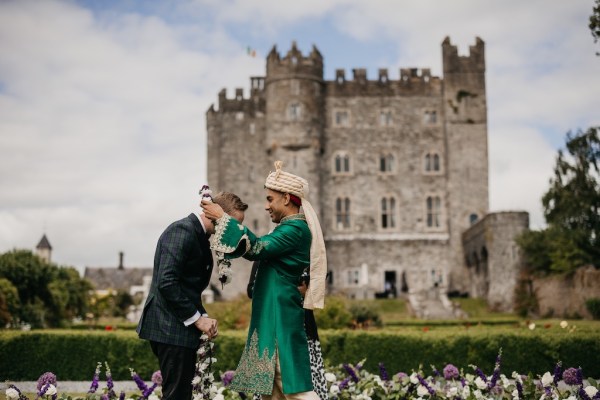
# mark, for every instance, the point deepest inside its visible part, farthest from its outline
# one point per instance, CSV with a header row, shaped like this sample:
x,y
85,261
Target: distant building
x,y
398,169
44,249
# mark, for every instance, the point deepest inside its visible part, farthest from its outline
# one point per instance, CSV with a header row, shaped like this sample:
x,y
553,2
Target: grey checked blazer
x,y
182,267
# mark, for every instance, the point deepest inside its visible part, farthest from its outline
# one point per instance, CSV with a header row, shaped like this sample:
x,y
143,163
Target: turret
x,y
44,249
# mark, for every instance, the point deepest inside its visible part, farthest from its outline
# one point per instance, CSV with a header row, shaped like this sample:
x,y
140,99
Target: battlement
x,y
294,64
412,81
249,105
474,62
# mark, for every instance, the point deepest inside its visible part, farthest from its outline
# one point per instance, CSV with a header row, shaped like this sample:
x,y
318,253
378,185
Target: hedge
x,y
72,355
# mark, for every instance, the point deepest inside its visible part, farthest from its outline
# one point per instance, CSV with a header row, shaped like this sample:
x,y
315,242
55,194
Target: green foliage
x,y
9,302
526,302
73,355
335,315
48,295
593,306
364,316
595,22
232,314
572,211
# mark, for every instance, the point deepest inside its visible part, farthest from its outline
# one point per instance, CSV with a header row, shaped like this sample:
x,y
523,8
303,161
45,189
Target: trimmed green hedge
x,y
72,355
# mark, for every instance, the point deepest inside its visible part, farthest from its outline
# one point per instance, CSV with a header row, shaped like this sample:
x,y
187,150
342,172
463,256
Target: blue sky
x,y
102,129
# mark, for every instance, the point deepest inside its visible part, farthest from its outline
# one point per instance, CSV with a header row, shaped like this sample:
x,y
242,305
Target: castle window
x,y
432,162
252,128
295,87
294,111
342,213
353,276
388,211
434,206
342,163
341,118
386,163
385,118
473,218
239,116
430,117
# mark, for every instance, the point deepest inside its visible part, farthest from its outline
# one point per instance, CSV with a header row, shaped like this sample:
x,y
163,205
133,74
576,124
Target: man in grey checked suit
x,y
173,317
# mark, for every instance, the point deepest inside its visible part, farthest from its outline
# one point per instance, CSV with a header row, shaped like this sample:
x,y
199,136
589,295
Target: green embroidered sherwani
x,y
277,324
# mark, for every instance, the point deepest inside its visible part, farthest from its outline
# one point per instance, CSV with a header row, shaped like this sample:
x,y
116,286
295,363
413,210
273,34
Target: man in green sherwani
x,y
275,361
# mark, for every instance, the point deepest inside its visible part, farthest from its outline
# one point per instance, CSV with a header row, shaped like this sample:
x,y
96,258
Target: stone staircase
x,y
434,304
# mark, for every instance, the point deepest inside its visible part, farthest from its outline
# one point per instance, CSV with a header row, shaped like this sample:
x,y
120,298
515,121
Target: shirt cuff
x,y
192,319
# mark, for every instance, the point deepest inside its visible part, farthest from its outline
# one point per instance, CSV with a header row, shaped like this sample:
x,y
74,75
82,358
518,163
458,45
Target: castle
x,y
398,169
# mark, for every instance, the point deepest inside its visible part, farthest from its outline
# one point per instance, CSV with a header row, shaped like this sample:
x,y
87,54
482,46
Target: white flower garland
x,y
203,386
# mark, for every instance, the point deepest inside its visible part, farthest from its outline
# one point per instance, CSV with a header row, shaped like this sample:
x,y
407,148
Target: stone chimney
x,y
121,260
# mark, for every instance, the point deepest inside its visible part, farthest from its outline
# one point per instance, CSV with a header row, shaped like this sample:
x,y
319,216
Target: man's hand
x,y
208,326
213,211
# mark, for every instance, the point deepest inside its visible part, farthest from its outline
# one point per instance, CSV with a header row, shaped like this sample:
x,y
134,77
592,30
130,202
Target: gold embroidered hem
x,y
254,374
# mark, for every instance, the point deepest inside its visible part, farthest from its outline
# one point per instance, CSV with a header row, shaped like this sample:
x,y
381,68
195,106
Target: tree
x,y
595,23
9,302
571,209
49,295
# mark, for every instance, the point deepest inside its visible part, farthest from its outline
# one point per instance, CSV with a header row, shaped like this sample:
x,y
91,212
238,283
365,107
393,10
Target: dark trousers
x,y
178,367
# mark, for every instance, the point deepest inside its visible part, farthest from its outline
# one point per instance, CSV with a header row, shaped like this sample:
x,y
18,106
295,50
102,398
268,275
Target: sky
x,y
102,102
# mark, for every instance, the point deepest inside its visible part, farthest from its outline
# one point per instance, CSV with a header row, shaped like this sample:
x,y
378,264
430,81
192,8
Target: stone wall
x,y
561,296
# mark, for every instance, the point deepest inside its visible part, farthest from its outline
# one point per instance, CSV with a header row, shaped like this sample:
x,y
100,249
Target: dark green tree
x,y
49,295
9,302
595,23
571,209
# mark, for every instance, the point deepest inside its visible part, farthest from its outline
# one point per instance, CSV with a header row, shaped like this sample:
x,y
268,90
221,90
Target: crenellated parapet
x,y
473,63
413,81
249,106
294,64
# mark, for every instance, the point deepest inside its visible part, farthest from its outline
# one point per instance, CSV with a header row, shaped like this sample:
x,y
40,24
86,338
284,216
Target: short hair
x,y
230,202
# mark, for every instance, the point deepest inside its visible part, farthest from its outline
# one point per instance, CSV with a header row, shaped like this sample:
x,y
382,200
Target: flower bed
x,y
353,382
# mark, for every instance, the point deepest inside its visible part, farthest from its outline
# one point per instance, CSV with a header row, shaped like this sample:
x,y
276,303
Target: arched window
x,y
294,111
432,162
342,213
342,163
385,118
386,163
473,218
388,211
434,206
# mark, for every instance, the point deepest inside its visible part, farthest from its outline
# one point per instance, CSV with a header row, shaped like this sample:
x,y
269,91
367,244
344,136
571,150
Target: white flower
x,y
547,379
413,378
334,389
11,394
422,390
452,392
329,377
219,397
531,326
543,397
153,397
571,397
515,394
517,377
505,381
196,380
591,391
466,392
480,383
51,391
564,324
478,394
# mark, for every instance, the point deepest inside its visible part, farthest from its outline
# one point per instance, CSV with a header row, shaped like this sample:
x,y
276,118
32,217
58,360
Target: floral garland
x,y
203,386
225,272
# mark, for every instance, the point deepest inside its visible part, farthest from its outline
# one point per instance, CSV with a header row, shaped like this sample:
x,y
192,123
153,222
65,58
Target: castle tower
x,y
465,116
295,115
43,249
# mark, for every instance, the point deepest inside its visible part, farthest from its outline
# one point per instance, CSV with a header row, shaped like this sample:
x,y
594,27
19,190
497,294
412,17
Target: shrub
x,y
335,315
593,306
364,316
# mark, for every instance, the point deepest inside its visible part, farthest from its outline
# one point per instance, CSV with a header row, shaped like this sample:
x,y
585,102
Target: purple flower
x,y
149,390
109,382
519,390
138,381
383,373
450,372
583,394
480,373
45,379
344,383
424,383
122,396
157,377
227,377
557,369
579,376
496,374
21,395
570,376
351,372
94,385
